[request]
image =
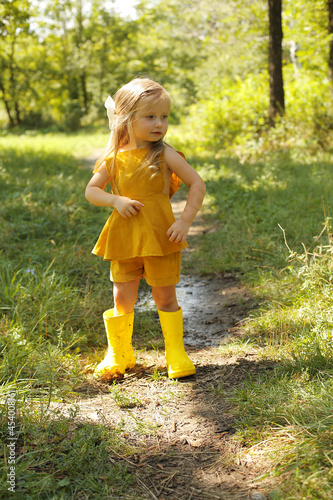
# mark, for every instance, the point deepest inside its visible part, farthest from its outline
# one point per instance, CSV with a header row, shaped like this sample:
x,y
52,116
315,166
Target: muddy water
x,y
213,307
203,309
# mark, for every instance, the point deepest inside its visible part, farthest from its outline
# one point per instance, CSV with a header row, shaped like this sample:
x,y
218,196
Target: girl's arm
x,y
97,196
197,188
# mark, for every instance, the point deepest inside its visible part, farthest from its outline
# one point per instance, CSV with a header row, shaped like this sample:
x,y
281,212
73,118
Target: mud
x,y
213,307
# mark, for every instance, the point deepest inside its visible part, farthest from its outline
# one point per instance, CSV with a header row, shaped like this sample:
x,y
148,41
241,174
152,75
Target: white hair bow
x,y
111,110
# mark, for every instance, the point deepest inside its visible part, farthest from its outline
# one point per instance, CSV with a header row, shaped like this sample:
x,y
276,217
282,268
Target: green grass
x,y
61,458
53,293
288,411
273,229
251,201
52,296
293,413
298,397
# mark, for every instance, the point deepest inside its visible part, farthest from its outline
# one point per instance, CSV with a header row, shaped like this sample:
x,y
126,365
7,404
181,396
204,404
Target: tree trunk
x,y
79,44
11,67
330,30
276,90
5,100
84,92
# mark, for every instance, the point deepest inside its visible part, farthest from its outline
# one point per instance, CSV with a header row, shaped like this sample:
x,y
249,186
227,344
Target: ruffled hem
x,y
133,255
141,235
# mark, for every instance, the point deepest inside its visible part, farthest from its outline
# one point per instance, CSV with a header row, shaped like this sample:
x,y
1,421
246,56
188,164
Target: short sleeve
x,y
103,163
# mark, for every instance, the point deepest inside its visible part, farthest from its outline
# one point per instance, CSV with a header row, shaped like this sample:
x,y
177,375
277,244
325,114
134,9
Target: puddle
x,y
212,308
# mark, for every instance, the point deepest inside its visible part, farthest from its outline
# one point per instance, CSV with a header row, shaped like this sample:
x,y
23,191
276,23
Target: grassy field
x,y
53,293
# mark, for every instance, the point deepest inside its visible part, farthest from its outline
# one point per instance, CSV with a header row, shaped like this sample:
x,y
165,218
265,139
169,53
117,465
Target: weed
x,y
122,397
157,375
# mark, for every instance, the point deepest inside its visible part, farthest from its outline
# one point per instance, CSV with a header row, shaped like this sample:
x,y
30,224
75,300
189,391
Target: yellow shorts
x,y
157,271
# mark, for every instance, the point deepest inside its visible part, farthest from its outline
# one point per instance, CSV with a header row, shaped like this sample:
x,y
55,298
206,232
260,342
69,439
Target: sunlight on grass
x,y
78,145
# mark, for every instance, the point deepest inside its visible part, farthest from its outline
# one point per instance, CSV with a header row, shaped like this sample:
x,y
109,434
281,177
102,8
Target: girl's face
x,y
150,122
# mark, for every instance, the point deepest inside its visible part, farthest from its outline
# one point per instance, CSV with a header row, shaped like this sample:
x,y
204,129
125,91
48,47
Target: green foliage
x,y
225,118
59,62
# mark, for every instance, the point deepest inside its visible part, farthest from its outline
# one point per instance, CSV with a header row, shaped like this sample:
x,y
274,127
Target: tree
x,y
276,90
330,31
14,25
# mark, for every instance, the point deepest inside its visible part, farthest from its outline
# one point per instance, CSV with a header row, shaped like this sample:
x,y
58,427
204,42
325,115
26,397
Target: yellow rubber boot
x,y
120,355
178,363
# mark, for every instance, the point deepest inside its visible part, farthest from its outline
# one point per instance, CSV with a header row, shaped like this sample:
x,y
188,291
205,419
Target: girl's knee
x,y
165,298
125,295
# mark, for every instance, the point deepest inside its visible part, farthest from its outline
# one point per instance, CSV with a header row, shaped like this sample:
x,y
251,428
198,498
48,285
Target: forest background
x,y
268,199
59,59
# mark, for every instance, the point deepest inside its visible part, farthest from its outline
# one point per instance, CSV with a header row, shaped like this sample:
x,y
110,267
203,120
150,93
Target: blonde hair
x,y
128,100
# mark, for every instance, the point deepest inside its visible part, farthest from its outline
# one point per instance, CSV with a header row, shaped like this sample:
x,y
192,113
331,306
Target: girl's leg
x,y
165,298
171,318
125,295
119,328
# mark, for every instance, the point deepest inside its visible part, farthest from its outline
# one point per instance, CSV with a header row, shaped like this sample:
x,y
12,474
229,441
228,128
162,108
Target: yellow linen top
x,y
143,234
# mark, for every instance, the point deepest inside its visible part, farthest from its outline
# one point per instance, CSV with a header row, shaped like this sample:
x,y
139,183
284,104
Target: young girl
x,y
141,238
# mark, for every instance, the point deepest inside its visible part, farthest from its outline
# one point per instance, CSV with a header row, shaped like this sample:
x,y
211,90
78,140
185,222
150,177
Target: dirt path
x,y
181,431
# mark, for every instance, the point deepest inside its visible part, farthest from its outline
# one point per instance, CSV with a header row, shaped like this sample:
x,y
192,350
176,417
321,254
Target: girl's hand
x,y
178,231
127,207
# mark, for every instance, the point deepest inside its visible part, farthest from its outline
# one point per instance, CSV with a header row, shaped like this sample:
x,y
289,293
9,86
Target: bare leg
x,y
125,295
165,298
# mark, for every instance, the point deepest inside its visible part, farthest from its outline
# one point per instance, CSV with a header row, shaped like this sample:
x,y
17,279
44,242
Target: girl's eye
x,y
151,117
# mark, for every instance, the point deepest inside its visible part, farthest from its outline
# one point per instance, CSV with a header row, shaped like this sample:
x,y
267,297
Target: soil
x,y
182,433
